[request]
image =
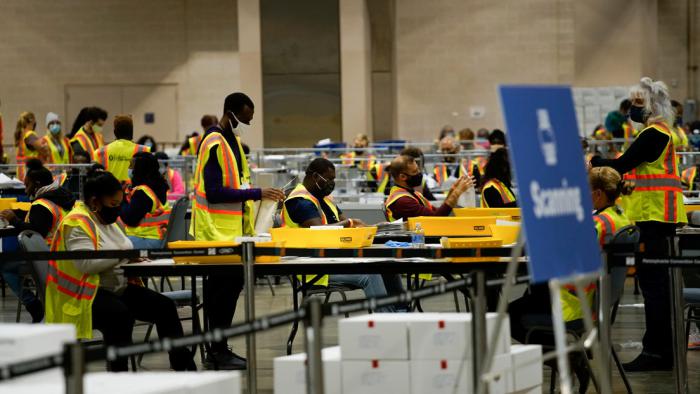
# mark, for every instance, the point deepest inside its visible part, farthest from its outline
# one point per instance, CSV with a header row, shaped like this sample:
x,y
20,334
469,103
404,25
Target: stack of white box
x,y
23,342
413,353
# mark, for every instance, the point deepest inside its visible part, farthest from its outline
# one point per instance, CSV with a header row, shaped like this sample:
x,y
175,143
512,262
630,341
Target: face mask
x,y
148,144
637,114
415,180
327,188
109,215
679,120
96,128
130,173
55,128
359,152
241,127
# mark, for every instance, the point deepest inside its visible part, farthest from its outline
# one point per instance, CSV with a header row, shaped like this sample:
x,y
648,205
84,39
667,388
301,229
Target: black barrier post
x,y
248,257
314,359
479,339
73,368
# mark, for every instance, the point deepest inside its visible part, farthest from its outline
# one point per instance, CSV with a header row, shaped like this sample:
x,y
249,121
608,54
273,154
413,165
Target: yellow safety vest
x,y
56,156
383,177
688,177
116,157
88,143
396,193
61,178
506,195
630,133
56,212
465,167
193,145
226,221
680,139
155,222
69,292
657,195
301,192
607,223
24,153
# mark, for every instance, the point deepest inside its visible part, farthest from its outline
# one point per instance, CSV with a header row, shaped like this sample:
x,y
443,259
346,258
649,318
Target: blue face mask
x,y
637,114
131,173
55,128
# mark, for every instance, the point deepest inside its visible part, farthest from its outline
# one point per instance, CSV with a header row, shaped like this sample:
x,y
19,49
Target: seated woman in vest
x,y
310,204
50,203
176,188
496,191
534,308
94,294
145,212
405,202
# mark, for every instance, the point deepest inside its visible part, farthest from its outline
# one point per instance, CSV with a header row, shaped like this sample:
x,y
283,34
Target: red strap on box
x,y
441,324
370,323
443,364
375,364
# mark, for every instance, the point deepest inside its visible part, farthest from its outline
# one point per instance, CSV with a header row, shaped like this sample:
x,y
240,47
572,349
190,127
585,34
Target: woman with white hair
x,y
656,207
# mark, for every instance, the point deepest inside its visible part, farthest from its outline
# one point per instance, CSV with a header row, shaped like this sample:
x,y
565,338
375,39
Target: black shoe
x,y
224,360
646,362
36,310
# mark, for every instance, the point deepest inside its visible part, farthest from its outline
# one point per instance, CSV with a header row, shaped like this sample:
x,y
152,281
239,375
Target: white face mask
x,y
241,128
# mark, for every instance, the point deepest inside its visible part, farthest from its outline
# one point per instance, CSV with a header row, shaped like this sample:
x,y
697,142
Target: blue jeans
x,y
146,243
14,281
372,285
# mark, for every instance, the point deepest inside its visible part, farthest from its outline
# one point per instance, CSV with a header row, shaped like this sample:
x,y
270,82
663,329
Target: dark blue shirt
x,y
301,210
213,177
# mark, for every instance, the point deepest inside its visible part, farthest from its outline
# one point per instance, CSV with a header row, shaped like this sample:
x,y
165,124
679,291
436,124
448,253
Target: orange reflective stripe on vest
x,y
78,289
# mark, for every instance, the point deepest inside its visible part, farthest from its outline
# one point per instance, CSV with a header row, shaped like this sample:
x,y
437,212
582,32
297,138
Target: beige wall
x,y
189,43
453,54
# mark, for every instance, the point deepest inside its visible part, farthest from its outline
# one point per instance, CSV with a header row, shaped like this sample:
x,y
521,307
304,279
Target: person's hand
x,y
8,214
272,194
463,184
357,223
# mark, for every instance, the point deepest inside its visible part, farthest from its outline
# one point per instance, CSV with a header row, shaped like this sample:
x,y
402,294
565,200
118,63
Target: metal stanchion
x,y
677,322
604,326
248,257
560,337
74,368
314,343
479,339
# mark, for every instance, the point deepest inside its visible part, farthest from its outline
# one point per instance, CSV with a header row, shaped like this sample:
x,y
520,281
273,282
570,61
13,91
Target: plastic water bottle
x,y
418,237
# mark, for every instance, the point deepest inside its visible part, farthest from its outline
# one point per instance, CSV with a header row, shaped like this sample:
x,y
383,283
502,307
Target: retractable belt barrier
x,y
111,353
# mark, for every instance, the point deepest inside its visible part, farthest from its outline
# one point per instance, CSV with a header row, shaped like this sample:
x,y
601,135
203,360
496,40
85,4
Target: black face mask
x,y
679,121
326,189
359,152
415,180
109,215
637,114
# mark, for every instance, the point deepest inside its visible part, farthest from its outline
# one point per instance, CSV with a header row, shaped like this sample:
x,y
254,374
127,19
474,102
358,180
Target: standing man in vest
x,y
116,156
405,202
656,207
222,209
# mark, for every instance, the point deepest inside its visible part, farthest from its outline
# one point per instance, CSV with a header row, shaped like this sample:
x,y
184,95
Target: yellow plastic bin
x,y
21,206
351,238
220,259
6,203
509,234
453,226
509,213
473,243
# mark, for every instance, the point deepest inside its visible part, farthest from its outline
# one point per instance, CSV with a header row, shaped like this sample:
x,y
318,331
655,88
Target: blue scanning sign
x,y
553,187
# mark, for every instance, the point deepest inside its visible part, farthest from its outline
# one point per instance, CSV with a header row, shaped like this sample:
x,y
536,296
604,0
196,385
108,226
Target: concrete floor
x,y
627,332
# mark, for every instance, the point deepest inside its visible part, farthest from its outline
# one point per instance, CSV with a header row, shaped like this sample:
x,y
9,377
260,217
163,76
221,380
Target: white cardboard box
x,y
22,342
527,366
132,383
448,336
289,372
503,383
375,377
380,336
441,376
